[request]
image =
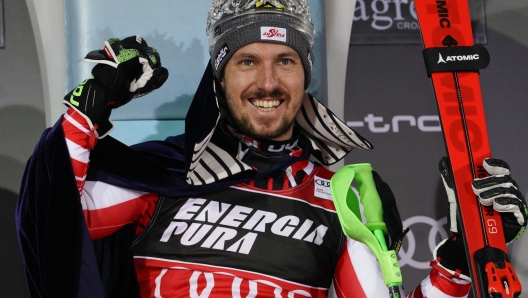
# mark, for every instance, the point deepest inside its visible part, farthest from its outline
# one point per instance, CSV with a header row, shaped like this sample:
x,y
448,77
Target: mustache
x,y
259,94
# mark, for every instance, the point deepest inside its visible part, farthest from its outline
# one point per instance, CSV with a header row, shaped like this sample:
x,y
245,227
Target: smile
x,y
266,105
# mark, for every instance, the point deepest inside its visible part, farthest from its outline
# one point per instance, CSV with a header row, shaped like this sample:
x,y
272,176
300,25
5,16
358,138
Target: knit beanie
x,y
233,24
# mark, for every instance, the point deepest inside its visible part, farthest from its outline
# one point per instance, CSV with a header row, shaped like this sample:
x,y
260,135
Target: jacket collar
x,y
330,138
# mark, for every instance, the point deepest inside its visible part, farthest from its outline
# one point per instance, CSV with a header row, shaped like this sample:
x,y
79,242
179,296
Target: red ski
x,y
453,61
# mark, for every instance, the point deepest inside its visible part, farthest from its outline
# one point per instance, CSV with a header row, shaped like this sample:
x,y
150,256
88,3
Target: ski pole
x,y
372,233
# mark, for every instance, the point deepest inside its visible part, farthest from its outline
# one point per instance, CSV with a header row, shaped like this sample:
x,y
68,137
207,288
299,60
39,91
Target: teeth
x,y
266,104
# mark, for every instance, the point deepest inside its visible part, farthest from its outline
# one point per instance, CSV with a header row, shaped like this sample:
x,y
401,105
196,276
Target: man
x,y
231,208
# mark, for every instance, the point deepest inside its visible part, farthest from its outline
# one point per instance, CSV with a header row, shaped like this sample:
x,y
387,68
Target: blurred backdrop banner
x,y
395,22
177,31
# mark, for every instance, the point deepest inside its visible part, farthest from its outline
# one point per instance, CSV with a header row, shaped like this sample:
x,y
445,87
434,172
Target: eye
x,y
286,61
246,62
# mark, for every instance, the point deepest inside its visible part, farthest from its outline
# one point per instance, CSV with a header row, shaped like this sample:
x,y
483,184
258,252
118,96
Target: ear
x,y
220,84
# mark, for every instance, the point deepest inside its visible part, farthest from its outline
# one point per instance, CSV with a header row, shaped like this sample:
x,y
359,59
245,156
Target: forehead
x,y
264,49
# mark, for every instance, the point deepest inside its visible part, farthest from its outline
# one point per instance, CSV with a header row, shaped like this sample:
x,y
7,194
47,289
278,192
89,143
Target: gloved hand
x,y
498,189
450,254
125,69
391,215
501,191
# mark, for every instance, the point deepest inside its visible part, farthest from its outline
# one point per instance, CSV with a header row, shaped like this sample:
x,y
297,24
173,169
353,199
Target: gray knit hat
x,y
233,24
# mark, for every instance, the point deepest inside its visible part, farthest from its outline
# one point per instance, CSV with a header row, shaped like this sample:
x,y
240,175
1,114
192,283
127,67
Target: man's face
x,y
264,89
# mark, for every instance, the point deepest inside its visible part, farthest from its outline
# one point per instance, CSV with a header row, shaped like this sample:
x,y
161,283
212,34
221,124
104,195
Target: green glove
x,y
125,69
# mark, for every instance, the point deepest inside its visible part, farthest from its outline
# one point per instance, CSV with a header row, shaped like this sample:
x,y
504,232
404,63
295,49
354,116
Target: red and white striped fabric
x,y
107,208
441,282
166,278
79,136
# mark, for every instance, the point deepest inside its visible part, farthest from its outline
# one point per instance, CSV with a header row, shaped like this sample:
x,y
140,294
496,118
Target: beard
x,y
245,126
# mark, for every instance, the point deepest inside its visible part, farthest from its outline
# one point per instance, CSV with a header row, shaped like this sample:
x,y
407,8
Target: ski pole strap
x,y
372,233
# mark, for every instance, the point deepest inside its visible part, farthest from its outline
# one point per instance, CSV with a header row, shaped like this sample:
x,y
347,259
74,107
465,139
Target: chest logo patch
x,y
322,188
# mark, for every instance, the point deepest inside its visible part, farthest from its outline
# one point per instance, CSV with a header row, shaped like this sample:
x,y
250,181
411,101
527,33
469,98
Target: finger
x,y
153,57
445,170
98,56
495,166
487,197
452,206
112,49
485,184
451,198
160,77
145,76
134,41
513,205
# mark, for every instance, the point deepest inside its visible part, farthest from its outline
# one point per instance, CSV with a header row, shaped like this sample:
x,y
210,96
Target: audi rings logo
x,y
325,183
406,256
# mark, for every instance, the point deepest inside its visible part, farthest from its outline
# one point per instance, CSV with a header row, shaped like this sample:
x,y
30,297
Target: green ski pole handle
x,y
372,232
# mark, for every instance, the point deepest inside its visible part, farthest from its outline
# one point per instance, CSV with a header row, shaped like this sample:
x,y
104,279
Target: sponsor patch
x,y
221,55
322,188
221,226
457,58
273,33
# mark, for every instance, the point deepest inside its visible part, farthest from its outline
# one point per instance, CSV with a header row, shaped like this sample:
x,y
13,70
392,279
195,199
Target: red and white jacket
x,y
243,241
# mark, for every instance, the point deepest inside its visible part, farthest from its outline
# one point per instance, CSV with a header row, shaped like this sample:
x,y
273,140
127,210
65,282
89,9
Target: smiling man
x,y
238,206
264,89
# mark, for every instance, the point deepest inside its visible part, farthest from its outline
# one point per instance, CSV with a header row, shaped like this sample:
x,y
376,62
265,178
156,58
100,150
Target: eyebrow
x,y
287,54
246,55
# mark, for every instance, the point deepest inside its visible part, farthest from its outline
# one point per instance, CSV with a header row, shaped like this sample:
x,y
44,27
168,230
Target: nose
x,y
267,79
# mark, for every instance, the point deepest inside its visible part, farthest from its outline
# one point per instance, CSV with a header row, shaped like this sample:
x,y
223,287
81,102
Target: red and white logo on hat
x,y
273,33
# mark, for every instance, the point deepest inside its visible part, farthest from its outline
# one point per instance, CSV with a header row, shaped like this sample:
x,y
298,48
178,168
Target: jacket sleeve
x,y
53,237
358,275
107,208
441,284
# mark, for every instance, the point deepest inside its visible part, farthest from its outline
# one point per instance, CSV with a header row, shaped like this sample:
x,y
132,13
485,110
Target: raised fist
x,y
125,69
